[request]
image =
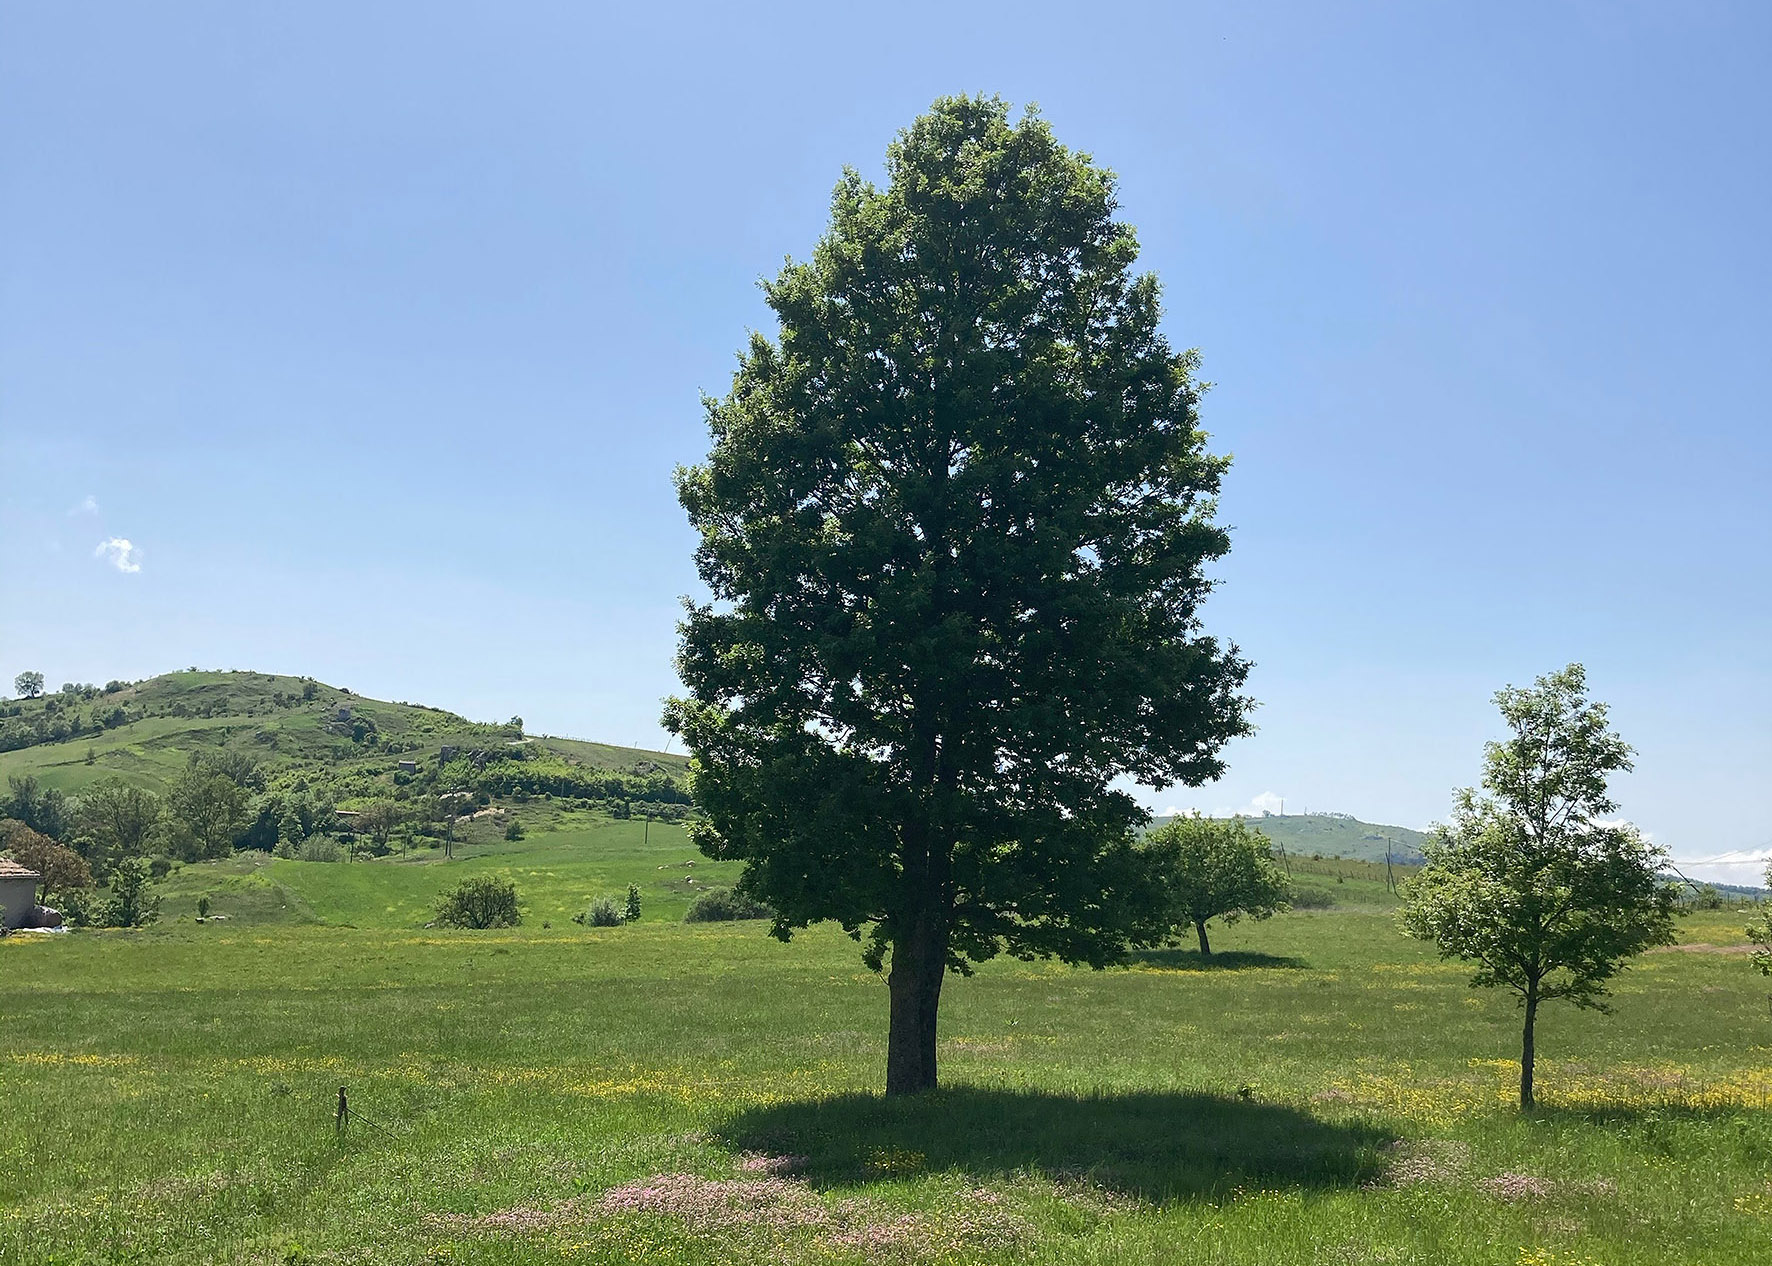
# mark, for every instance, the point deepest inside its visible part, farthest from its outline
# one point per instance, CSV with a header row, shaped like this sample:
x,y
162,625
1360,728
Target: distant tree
x,y
1759,931
515,723
514,831
379,819
207,810
485,901
291,830
1215,868
1530,881
117,820
129,905
63,869
955,524
28,684
631,912
43,809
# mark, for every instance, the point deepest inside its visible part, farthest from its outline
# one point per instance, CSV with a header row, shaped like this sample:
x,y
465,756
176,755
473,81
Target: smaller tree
x,y
485,901
28,684
1759,931
1214,868
1530,881
129,905
379,819
631,912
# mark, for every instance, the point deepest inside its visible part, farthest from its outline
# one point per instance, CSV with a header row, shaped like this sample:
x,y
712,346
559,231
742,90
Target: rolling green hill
x,y
146,732
1339,835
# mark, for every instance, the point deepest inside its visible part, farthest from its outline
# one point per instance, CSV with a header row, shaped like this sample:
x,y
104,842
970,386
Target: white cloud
x,y
1266,802
120,553
89,505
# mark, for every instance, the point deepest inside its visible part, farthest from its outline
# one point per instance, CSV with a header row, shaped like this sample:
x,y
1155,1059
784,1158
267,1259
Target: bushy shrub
x,y
318,848
603,914
128,905
722,904
514,831
484,901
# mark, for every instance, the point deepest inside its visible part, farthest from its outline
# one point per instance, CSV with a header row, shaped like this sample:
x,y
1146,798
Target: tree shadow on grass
x,y
1223,960
1160,1147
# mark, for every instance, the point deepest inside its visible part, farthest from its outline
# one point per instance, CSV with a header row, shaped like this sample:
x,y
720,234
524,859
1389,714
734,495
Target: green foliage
x,y
207,808
118,820
955,524
43,809
603,914
1759,931
1214,868
514,830
63,870
631,911
482,901
1530,882
720,905
29,684
130,904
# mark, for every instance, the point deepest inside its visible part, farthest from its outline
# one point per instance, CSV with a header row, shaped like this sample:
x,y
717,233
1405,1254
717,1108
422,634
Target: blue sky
x,y
376,331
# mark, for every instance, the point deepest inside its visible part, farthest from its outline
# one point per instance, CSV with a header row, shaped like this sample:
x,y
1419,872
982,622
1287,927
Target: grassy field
x,y
1325,1092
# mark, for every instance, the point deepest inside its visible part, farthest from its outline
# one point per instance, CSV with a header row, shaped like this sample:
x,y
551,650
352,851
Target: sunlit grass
x,y
1327,1093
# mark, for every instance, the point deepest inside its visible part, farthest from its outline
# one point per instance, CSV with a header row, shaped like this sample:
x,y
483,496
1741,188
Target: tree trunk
x,y
1205,945
919,963
1527,1054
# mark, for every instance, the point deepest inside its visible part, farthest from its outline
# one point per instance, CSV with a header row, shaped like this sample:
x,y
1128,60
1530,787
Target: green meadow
x,y
1323,1091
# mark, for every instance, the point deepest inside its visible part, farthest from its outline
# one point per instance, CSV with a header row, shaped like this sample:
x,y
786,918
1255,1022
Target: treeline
x,y
536,775
73,711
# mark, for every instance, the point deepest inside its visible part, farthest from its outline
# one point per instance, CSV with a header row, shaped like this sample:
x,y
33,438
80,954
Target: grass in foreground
x,y
1324,1091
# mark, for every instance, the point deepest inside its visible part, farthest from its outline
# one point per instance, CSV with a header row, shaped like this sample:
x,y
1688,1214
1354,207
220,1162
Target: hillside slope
x,y
1338,835
146,732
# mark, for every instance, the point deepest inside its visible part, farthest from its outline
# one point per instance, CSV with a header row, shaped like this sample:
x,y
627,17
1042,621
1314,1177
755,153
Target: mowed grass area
x,y
558,872
1325,1091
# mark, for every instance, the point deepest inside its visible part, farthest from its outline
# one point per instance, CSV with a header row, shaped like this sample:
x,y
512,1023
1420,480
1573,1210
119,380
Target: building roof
x,y
10,869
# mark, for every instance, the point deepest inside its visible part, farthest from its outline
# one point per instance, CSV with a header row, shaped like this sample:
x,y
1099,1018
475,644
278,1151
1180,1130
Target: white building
x,y
18,893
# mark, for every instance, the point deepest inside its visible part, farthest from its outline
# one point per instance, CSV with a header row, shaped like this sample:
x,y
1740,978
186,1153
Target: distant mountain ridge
x,y
1338,835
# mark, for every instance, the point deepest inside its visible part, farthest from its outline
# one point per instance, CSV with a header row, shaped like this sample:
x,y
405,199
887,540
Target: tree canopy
x,y
1531,881
1215,868
1759,931
954,523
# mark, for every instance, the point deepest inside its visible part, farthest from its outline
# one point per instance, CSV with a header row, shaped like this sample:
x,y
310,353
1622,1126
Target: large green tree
x,y
1531,881
117,820
1215,868
208,809
954,523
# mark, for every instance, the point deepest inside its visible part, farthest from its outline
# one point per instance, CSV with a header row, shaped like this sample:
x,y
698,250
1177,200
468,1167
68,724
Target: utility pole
x,y
1390,880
